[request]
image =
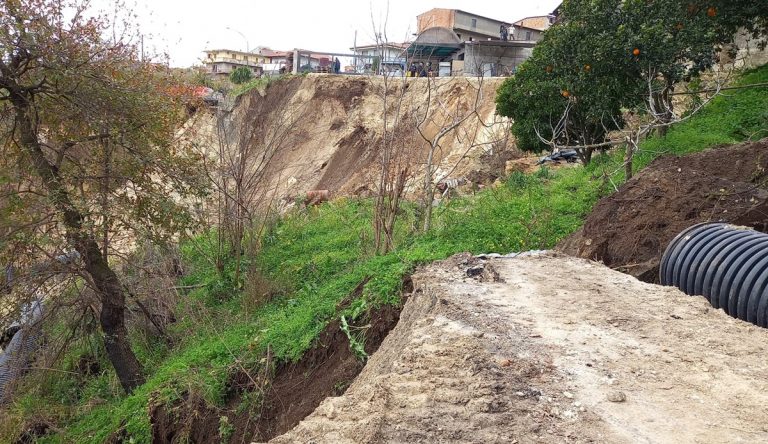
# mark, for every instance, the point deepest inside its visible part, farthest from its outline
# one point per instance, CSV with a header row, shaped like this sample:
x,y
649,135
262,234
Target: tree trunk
x,y
112,316
429,193
585,154
664,102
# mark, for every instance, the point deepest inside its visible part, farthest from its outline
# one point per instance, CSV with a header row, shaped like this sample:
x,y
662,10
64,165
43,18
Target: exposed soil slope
x,y
514,355
630,229
290,394
327,131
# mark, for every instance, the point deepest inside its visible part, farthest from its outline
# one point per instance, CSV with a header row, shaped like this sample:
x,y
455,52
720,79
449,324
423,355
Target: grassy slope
x,y
319,256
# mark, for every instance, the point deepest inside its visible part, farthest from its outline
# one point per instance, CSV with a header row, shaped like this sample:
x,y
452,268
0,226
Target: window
x,y
215,68
474,23
527,35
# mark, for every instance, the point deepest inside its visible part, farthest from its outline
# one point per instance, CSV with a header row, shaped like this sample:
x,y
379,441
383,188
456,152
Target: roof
x,y
386,45
232,51
435,42
528,28
549,17
469,13
266,52
508,43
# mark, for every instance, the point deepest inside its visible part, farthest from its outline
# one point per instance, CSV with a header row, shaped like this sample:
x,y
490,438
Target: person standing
x,y
504,33
336,65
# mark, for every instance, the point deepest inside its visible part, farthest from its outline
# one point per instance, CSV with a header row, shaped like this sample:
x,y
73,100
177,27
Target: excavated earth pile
x,y
510,354
630,229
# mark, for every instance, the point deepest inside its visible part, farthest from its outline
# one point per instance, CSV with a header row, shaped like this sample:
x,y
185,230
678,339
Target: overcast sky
x,y
184,28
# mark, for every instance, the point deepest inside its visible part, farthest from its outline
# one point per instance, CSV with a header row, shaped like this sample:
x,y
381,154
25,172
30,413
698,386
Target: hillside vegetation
x,y
312,259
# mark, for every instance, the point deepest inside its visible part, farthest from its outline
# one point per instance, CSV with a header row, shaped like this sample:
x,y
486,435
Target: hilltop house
x,y
388,56
452,41
221,62
539,22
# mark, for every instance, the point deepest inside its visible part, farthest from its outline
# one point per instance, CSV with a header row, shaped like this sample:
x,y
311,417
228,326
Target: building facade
x,y
467,26
459,42
525,34
540,22
388,57
221,62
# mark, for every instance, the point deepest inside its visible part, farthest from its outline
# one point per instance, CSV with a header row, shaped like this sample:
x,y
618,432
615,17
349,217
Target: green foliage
x,y
225,429
258,83
240,75
602,57
575,67
356,342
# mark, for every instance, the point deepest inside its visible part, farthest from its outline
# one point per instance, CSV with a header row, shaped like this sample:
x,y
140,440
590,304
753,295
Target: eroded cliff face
x,y
324,132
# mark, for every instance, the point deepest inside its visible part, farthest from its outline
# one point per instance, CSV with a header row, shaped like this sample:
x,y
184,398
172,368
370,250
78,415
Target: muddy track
x,y
552,349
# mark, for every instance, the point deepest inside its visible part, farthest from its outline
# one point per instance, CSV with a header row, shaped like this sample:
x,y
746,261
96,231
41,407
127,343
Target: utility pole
x,y
247,46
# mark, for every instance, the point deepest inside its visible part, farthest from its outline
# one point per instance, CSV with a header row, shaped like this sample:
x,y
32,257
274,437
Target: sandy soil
x,y
326,132
552,349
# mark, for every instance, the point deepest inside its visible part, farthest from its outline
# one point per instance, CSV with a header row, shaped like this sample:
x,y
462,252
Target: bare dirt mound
x,y
630,229
514,355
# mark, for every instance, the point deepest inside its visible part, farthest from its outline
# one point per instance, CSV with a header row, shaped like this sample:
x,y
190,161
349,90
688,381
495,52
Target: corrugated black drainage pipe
x,y
725,263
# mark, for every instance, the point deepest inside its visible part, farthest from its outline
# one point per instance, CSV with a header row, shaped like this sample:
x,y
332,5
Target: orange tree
x,y
86,151
571,91
609,55
677,41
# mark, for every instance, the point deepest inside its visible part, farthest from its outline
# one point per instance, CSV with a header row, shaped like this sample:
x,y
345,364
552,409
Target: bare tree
x,y
462,121
416,122
240,169
659,113
393,148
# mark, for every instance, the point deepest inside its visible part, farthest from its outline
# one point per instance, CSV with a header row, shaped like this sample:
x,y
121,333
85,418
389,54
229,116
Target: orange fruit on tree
x,y
636,52
711,11
565,93
587,67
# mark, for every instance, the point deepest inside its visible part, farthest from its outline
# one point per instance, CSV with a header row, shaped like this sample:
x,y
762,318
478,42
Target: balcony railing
x,y
234,61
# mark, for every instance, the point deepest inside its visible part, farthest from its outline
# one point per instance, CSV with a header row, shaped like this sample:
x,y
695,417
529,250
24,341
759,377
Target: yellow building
x,y
221,62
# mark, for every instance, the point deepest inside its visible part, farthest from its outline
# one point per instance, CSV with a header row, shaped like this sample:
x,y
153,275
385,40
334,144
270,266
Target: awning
x,y
437,42
437,51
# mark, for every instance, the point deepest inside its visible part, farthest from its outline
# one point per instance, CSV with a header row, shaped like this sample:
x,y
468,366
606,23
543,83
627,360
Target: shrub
x,y
241,75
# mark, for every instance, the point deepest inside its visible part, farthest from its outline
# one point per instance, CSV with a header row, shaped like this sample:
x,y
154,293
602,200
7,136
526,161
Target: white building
x,y
388,56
